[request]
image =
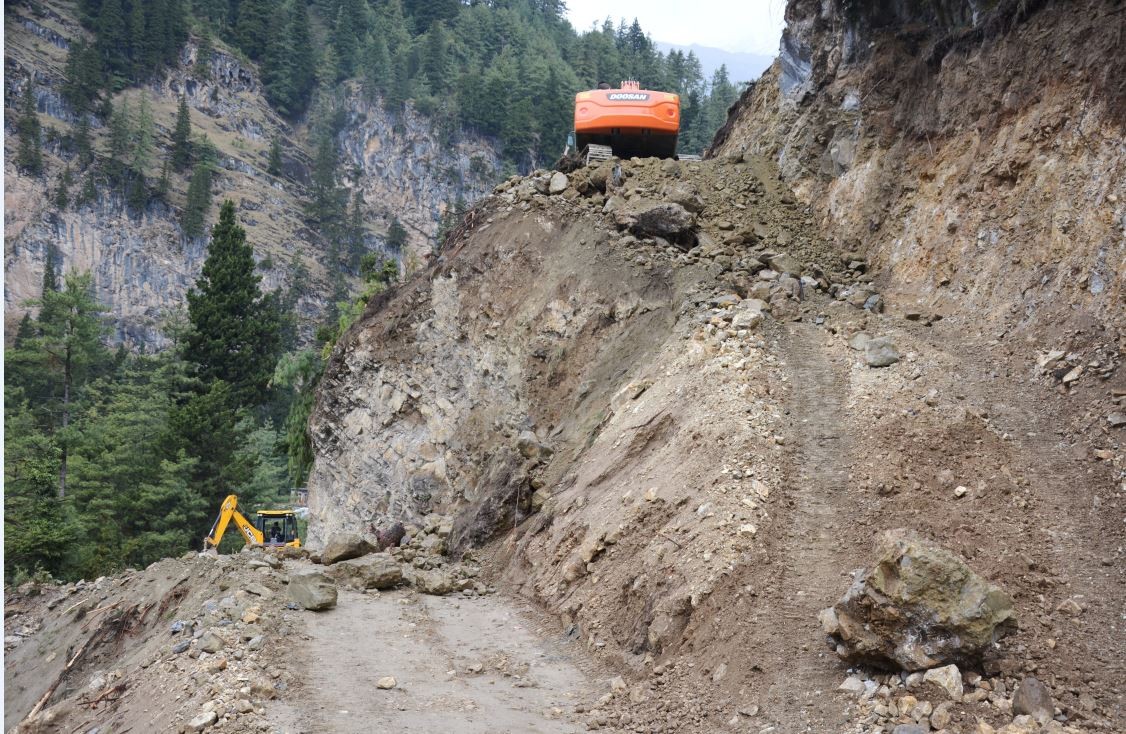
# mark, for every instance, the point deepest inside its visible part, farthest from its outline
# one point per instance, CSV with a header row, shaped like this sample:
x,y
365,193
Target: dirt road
x,y
460,665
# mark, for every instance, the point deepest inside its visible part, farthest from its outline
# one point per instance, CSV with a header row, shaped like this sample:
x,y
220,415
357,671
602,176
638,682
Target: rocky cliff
x,y
973,151
143,264
677,402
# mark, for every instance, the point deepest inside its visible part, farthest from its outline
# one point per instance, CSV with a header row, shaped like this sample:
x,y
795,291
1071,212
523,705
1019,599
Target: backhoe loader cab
x,y
271,527
278,527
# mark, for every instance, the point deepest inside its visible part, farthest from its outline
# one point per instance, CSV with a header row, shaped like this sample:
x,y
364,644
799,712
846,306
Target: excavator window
x,y
277,529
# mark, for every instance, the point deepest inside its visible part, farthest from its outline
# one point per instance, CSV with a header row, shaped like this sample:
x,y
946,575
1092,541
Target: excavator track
x,y
597,153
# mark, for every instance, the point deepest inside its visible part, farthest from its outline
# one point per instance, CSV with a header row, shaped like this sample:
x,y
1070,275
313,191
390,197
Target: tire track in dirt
x,y
465,665
813,551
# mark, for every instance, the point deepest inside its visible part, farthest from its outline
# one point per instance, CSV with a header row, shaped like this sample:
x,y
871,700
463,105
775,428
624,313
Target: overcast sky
x,y
753,26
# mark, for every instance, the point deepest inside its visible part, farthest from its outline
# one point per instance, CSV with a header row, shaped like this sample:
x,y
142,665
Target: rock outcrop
x,y
918,607
928,135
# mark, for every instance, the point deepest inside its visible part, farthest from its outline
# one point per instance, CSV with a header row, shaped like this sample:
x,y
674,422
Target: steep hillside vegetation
x,y
142,259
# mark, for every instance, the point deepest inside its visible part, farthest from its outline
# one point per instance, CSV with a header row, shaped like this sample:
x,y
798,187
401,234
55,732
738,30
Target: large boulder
x,y
668,221
311,590
919,607
376,571
343,546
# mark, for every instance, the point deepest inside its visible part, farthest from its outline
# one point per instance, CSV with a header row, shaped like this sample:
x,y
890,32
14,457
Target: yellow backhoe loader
x,y
271,528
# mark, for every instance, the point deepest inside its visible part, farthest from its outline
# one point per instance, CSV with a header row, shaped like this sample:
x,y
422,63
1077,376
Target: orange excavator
x,y
625,122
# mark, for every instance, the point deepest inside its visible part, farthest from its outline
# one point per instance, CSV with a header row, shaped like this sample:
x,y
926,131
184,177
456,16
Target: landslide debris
x,y
918,607
680,453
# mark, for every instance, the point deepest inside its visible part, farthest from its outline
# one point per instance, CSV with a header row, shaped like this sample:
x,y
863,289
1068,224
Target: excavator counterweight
x,y
626,122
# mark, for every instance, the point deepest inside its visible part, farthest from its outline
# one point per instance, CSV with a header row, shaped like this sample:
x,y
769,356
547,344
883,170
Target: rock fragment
x,y
880,352
1032,698
203,721
376,571
386,683
671,222
920,606
344,546
558,183
948,678
311,590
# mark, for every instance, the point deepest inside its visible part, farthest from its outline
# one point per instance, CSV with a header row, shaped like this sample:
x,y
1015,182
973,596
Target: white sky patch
x,y
752,26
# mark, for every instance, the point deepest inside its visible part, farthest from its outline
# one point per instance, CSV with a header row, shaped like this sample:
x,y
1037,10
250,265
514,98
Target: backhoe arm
x,y
229,511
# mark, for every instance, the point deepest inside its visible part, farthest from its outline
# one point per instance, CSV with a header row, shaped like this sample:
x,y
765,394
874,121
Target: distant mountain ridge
x,y
741,67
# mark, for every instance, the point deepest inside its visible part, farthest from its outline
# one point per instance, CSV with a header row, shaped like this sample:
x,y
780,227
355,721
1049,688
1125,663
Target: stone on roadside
x,y
210,642
558,183
940,717
911,729
853,685
375,571
1116,420
243,706
345,546
203,721
880,352
1033,698
311,590
437,582
948,678
918,607
386,683
859,340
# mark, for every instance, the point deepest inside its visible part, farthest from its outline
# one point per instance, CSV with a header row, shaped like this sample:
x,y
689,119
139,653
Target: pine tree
x,y
164,185
142,137
234,327
181,136
375,65
29,156
69,344
202,67
274,163
302,60
113,43
62,192
396,235
83,76
83,146
327,201
140,42
119,140
199,191
252,27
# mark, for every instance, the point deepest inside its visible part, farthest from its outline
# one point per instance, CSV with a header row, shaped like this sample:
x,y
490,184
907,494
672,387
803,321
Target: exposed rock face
x,y
918,607
311,590
922,133
342,546
141,262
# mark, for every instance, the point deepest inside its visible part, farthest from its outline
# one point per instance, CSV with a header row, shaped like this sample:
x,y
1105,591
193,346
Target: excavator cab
x,y
278,527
